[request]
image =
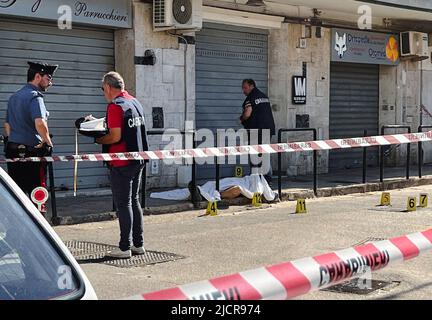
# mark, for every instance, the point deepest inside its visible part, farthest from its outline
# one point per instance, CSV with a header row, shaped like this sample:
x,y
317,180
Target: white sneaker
x,y
118,254
138,251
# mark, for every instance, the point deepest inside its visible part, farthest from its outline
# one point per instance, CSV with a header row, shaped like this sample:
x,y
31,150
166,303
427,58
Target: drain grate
x,y
353,287
368,240
90,252
83,249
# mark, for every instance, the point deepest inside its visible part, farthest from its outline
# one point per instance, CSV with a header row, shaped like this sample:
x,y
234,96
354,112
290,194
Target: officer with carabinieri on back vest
x,y
127,133
26,128
258,115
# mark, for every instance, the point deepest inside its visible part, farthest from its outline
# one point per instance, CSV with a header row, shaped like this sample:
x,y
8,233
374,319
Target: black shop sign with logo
x,y
299,90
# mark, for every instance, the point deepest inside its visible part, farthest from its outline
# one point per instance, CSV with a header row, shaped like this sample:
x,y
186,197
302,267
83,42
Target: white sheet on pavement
x,y
248,186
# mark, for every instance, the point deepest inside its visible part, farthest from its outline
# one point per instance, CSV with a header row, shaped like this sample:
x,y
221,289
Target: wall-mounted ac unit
x,y
177,15
414,45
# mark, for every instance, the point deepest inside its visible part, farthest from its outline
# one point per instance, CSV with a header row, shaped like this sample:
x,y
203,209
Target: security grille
x,y
159,11
354,107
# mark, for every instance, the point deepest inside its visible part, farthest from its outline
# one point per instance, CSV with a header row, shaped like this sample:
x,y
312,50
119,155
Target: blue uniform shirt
x,y
24,107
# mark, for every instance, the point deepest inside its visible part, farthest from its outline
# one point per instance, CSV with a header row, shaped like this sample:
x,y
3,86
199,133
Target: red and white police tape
x,y
240,150
295,278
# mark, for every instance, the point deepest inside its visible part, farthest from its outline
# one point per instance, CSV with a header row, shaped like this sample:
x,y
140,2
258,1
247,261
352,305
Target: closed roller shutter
x,y
354,107
225,55
84,55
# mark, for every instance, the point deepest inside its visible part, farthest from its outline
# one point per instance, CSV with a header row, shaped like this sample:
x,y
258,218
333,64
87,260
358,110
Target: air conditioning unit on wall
x,y
414,45
185,15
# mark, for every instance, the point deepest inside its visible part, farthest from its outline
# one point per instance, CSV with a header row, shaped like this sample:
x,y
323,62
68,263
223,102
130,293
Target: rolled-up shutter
x,y
354,107
84,55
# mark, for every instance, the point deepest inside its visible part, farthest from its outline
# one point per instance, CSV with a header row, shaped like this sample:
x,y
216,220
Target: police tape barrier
x,y
361,142
296,278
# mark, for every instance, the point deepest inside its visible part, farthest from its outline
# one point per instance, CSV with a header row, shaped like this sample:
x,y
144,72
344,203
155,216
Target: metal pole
x,y
315,165
54,219
194,184
364,160
408,158
280,166
217,166
249,156
381,159
420,154
144,188
217,174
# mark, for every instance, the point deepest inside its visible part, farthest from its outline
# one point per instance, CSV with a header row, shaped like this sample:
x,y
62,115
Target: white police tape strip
x,y
240,150
292,279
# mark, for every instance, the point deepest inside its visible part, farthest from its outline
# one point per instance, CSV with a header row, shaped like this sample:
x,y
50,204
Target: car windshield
x,y
30,267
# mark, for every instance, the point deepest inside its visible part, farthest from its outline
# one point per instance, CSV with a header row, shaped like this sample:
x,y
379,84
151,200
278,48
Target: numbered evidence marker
x,y
257,199
301,206
239,172
423,200
212,209
411,204
385,199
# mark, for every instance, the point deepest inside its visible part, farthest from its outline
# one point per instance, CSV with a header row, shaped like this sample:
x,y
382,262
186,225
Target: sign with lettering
x,y
110,13
299,90
365,47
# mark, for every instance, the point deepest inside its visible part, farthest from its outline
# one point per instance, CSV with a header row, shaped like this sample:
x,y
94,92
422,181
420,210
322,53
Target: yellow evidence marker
x,y
385,199
412,204
212,209
239,172
257,199
301,206
423,200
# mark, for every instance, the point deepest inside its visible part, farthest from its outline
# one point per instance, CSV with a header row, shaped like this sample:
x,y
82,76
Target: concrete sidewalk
x,y
96,205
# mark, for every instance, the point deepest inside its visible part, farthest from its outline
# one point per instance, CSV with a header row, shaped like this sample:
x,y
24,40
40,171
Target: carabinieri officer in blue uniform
x,y
27,128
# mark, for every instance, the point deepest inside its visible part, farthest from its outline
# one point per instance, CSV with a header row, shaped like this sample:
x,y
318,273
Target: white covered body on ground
x,y
248,186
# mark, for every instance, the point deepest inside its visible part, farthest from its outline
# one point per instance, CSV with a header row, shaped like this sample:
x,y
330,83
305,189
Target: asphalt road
x,y
242,238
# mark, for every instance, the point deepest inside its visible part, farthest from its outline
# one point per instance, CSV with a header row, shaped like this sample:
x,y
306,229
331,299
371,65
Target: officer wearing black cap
x,y
27,128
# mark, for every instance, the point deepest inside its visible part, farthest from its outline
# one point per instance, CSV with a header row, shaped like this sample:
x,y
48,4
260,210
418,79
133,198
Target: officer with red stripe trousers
x,y
26,127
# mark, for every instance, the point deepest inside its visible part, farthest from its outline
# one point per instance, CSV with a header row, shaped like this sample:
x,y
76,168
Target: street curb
x,y
390,184
98,217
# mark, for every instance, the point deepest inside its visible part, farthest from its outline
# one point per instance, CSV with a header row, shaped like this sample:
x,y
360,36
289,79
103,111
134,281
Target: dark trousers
x,y
27,175
265,161
125,184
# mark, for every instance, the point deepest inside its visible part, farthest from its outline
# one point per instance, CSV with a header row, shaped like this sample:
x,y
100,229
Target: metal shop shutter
x,y
354,107
225,55
84,55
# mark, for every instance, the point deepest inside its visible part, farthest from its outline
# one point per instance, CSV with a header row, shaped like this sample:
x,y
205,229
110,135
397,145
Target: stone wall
x,y
158,86
400,104
285,61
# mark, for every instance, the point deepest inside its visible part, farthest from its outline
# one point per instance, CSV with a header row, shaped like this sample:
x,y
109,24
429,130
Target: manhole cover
x,y
89,252
357,286
353,287
368,240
